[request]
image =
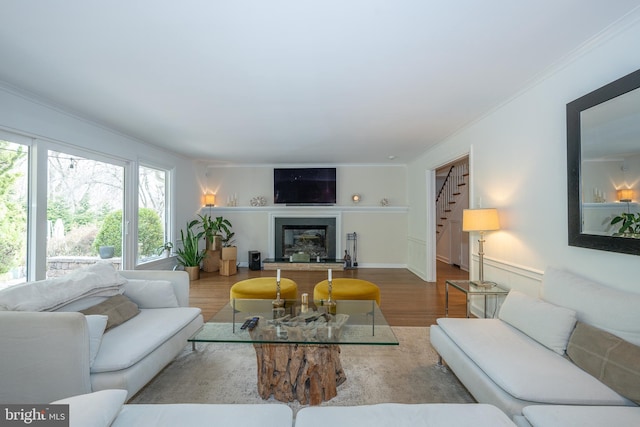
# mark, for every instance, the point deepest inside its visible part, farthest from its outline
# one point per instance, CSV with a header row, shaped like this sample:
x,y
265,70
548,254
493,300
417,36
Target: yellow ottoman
x,y
263,288
346,288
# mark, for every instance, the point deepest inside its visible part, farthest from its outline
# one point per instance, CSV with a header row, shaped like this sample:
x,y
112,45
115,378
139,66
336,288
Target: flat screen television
x,y
304,186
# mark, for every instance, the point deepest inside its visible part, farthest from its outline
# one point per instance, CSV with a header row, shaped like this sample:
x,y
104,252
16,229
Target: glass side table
x,y
471,289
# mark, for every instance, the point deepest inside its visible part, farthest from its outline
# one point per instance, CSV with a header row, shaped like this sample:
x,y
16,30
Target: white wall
x,y
518,165
382,231
372,182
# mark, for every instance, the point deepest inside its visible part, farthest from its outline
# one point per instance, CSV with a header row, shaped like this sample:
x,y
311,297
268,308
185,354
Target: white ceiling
x,y
289,81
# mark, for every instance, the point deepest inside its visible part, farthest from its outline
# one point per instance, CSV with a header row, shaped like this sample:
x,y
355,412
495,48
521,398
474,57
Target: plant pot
x,y
229,253
214,245
194,272
211,261
106,251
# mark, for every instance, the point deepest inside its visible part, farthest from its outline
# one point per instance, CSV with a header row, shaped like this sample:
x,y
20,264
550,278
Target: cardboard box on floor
x,y
228,267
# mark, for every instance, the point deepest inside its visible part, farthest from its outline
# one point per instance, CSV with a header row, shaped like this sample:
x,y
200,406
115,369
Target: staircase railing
x,y
449,192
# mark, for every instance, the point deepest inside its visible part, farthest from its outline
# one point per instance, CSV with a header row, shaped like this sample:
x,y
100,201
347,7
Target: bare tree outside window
x,y
85,199
82,195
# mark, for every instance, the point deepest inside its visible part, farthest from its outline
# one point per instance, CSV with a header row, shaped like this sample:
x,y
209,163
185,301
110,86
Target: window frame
x,y
168,205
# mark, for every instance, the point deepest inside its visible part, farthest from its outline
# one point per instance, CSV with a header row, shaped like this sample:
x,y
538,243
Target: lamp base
x,y
483,284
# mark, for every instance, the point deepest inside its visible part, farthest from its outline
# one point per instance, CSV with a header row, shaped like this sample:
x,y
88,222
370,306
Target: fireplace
x,y
305,236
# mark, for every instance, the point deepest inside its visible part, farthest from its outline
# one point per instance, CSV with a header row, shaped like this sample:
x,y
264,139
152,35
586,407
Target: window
x,y
14,173
153,230
62,207
85,200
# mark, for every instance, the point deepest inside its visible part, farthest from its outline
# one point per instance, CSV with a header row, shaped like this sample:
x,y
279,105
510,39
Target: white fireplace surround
x,y
304,214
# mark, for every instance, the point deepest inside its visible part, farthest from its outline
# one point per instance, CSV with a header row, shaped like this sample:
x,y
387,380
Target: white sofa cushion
x,y
546,323
524,368
128,343
205,415
99,279
582,416
403,415
615,311
96,323
151,293
97,409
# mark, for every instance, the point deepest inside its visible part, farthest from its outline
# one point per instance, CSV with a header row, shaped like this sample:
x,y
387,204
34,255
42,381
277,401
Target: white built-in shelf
x,y
609,205
336,208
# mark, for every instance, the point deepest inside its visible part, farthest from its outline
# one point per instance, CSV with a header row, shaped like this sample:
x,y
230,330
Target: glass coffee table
x,y
298,350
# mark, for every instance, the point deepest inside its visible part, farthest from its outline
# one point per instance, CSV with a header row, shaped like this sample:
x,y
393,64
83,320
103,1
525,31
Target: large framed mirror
x,y
603,167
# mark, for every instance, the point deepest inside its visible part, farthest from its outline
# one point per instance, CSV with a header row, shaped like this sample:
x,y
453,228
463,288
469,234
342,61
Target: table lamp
x,y
480,220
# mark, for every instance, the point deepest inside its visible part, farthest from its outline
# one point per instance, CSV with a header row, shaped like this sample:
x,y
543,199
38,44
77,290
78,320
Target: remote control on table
x,y
252,323
245,324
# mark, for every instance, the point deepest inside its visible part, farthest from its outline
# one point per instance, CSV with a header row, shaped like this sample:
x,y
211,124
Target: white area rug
x,y
226,373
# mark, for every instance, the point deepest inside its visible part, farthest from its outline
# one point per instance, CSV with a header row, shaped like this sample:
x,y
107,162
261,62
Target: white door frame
x,y
430,238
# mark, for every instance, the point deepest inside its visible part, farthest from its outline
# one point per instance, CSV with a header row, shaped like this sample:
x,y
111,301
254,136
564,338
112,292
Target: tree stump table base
x,y
307,373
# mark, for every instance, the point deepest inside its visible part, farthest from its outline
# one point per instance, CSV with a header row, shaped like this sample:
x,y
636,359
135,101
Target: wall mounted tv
x,y
304,186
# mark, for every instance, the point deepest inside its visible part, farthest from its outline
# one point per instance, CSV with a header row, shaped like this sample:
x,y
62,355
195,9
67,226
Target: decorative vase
x,y
194,273
214,245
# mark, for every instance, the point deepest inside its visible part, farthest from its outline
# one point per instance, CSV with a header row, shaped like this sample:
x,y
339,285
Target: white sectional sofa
x,y
403,415
43,334
578,416
521,358
106,408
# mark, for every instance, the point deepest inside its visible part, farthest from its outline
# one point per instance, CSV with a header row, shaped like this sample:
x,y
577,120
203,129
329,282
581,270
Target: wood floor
x,y
406,300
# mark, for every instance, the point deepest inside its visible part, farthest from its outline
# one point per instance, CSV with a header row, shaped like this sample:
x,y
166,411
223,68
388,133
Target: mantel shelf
x,y
336,208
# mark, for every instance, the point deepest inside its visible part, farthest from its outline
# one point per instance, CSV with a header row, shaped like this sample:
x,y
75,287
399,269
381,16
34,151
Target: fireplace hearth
x,y
305,236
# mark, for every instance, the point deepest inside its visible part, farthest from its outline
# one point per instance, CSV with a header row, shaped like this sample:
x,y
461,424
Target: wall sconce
x,y
209,199
625,195
480,220
356,198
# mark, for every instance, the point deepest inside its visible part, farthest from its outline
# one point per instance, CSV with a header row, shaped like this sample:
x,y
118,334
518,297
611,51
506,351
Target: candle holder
x,y
277,303
331,304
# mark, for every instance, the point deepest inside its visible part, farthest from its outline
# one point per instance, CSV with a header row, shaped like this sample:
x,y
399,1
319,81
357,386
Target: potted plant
x,y
190,256
217,231
106,251
166,249
630,226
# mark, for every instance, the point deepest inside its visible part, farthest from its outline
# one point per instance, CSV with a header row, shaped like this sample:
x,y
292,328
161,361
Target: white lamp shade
x,y
480,220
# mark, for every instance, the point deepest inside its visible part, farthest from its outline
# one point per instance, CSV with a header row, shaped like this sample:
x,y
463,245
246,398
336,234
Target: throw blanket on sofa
x,y
100,279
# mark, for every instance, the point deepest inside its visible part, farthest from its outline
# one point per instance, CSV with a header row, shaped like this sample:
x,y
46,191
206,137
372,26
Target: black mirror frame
x,y
576,237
